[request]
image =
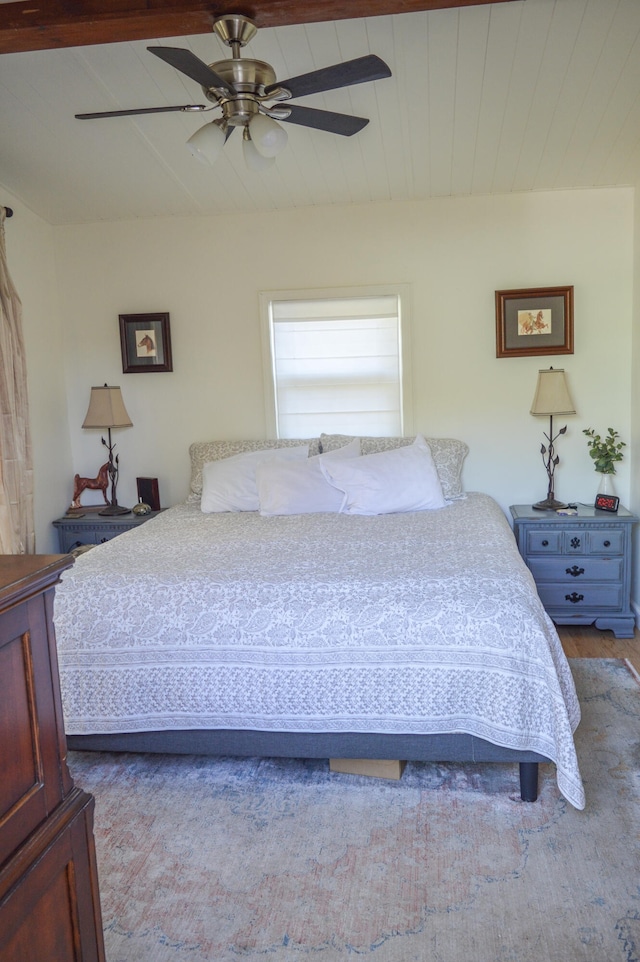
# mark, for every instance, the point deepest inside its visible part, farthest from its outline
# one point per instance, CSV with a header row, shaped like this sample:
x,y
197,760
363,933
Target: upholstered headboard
x,y
448,455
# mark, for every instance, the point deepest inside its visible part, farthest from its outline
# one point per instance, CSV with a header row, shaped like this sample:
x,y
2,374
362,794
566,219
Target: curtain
x,y
16,464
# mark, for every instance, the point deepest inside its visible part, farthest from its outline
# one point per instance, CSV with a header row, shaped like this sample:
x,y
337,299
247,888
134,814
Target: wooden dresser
x,y
49,900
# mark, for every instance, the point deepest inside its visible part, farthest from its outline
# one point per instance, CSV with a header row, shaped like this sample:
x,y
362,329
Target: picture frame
x,y
148,492
536,321
145,341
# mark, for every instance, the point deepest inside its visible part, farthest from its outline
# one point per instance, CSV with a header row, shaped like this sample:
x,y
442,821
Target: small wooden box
x,y
374,767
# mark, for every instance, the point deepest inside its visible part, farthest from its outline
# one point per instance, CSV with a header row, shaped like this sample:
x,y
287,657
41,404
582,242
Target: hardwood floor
x,y
590,642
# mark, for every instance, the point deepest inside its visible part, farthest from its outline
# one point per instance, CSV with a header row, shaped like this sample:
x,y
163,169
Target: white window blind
x,y
336,364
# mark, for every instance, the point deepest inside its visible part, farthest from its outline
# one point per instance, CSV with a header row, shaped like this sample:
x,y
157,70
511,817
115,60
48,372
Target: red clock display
x,y
606,502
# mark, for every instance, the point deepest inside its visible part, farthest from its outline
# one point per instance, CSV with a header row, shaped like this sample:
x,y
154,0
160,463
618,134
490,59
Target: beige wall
x,y
208,272
30,254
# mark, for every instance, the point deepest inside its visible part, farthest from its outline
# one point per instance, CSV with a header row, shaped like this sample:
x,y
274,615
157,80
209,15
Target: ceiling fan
x,y
242,88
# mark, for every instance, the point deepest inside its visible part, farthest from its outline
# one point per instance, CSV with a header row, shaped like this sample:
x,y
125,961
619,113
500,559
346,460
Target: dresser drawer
x,y
574,570
572,598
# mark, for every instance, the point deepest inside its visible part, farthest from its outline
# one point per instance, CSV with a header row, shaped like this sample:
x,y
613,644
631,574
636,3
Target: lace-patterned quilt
x,y
407,623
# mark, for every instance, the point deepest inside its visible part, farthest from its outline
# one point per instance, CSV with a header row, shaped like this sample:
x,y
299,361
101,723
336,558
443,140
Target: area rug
x,y
224,859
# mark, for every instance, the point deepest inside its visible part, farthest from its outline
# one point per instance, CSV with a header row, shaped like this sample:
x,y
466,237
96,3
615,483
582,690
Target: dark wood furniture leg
x,y
528,781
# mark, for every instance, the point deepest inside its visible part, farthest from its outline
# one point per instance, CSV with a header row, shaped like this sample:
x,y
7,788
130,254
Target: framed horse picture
x,y
145,340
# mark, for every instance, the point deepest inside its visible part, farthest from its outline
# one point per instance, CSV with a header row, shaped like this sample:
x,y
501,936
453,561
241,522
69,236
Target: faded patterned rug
x,y
214,860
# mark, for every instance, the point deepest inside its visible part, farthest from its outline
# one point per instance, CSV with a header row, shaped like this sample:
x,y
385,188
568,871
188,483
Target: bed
x,y
408,634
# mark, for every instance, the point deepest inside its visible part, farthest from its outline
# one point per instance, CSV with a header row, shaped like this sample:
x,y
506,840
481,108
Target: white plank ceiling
x,y
517,96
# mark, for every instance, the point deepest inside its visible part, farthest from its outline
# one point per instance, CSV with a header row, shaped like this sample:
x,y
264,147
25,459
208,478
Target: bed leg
x,y
528,781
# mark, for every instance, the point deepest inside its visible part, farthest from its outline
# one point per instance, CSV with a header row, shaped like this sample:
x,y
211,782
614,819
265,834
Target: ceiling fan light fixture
x,y
208,141
253,159
267,136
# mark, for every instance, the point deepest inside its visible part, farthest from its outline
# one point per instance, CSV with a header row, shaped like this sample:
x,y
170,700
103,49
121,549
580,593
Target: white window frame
x,y
401,291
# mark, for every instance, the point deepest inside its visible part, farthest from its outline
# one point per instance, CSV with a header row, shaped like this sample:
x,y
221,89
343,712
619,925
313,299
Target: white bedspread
x,y
424,622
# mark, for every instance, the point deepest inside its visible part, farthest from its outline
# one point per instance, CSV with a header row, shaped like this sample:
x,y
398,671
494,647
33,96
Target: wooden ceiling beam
x,y
48,24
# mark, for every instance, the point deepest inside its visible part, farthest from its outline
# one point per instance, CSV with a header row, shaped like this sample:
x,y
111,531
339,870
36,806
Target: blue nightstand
x,y
581,564
92,528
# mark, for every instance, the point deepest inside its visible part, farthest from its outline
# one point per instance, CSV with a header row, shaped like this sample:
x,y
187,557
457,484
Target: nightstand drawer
x,y
606,542
593,541
542,541
75,536
576,597
574,570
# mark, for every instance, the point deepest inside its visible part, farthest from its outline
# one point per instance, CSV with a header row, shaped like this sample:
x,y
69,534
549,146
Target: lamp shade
x,y
268,136
207,142
252,158
106,409
552,394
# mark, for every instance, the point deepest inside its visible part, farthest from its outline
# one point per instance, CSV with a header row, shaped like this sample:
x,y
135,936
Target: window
x,y
334,362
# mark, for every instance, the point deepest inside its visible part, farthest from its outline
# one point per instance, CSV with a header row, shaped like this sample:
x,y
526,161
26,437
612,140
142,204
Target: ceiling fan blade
x,y
358,71
344,124
187,63
141,110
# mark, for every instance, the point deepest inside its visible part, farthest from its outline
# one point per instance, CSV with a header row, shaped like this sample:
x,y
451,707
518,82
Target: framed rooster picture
x,y
534,322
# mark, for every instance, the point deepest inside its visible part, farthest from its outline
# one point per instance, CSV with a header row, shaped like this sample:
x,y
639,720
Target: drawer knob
x,y
545,543
575,542
574,598
607,544
575,572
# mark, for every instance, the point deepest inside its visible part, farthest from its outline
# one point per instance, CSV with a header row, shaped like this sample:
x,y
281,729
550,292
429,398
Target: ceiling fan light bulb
x,y
207,142
253,158
268,137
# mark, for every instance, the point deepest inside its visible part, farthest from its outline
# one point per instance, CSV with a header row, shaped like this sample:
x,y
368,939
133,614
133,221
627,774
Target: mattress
x,y
425,622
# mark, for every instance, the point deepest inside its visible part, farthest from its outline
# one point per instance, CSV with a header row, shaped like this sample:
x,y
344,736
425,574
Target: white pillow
x,y
300,487
404,479
201,452
448,456
229,484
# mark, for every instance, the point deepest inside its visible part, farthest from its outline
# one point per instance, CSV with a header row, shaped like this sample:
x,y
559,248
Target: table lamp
x,y
551,398
107,410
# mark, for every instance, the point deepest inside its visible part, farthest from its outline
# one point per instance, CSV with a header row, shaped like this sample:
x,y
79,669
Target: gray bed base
x,y
419,748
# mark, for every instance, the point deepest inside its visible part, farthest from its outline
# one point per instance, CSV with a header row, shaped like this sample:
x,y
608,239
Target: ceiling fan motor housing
x,y
248,77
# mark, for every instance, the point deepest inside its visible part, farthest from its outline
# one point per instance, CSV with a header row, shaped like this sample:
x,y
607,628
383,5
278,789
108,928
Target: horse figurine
x,y
92,484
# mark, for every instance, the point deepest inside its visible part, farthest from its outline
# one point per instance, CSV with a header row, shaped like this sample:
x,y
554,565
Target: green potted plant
x,y
605,453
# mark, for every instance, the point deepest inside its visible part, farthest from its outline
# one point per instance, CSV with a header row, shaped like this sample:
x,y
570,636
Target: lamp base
x,y
549,504
113,509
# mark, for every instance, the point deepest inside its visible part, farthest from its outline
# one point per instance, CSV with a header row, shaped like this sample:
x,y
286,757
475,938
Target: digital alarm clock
x,y
606,502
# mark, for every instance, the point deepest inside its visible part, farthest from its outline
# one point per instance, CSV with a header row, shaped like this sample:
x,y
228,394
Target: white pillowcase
x,y
229,484
300,487
404,479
